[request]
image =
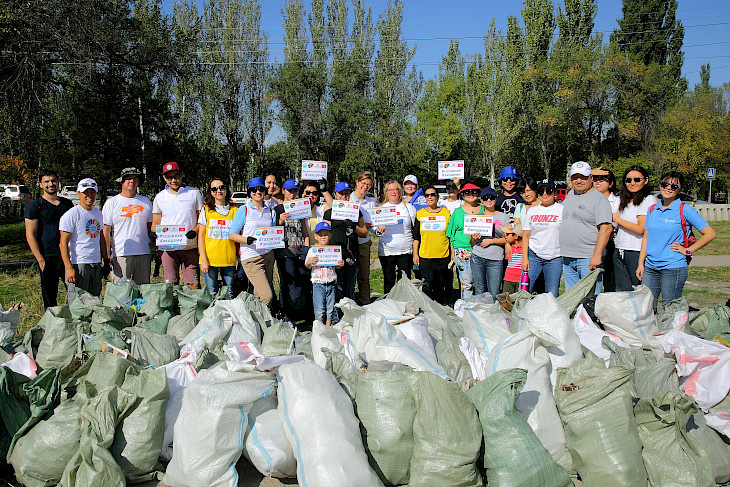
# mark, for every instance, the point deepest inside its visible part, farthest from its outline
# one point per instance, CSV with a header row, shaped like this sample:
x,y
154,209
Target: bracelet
x,y
687,251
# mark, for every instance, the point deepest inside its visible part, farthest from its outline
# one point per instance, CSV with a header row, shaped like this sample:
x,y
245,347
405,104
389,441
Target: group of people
x,y
635,237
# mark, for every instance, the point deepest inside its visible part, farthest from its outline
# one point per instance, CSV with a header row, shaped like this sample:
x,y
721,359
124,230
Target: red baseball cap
x,y
468,186
170,166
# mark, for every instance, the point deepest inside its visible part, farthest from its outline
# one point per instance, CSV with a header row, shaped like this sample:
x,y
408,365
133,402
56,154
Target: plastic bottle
x,y
524,281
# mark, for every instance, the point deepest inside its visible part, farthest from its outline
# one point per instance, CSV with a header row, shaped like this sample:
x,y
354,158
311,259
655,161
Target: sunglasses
x,y
635,180
471,192
431,195
668,185
600,178
510,180
545,190
257,189
214,189
308,193
173,176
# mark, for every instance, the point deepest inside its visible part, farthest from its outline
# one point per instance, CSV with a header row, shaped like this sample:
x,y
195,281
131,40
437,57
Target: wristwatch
x,y
687,252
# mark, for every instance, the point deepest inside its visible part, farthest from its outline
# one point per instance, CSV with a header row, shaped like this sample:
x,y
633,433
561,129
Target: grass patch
x,y
25,286
721,244
12,242
707,286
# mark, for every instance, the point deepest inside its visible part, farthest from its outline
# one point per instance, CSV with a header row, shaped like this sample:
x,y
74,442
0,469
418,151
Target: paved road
x,y
710,261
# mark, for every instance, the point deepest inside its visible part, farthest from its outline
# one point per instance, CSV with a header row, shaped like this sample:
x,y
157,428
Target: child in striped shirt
x,y
513,255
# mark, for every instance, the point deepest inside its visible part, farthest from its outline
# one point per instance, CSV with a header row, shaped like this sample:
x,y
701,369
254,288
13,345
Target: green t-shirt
x,y
455,231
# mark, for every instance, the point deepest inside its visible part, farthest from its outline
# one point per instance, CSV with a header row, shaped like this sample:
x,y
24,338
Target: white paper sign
x,y
298,209
314,170
269,238
219,229
327,254
433,223
478,224
383,215
345,210
451,169
171,236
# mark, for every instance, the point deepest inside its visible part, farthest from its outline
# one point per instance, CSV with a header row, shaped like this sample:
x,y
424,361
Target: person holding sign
x,y
273,190
453,201
461,248
345,234
324,277
431,249
311,190
488,250
258,264
293,275
175,212
217,251
395,248
363,184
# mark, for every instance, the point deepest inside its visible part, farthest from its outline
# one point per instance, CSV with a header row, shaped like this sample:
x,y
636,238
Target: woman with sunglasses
x,y
636,199
310,189
460,246
488,252
527,189
509,198
605,183
395,246
431,249
665,248
274,196
258,264
217,251
541,239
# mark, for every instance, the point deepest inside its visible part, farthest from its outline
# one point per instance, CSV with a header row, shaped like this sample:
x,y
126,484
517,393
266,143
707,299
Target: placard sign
x,y
451,169
383,215
298,209
269,238
327,255
171,236
345,210
219,229
314,170
433,223
478,224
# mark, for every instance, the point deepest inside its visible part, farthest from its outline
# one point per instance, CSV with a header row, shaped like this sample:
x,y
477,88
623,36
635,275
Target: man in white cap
x,y
82,242
586,227
129,216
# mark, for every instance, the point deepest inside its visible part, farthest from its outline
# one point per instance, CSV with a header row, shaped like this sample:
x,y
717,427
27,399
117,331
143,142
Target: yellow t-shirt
x,y
434,244
221,251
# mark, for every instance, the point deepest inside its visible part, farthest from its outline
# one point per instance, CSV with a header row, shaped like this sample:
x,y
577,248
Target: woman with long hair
x,y
217,252
487,252
605,183
431,249
460,246
527,189
635,201
311,190
274,196
666,247
395,247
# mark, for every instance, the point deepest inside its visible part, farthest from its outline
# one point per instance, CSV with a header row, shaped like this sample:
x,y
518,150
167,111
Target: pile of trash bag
x,y
161,382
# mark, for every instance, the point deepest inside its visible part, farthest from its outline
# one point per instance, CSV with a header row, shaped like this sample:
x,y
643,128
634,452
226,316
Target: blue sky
x,y
432,23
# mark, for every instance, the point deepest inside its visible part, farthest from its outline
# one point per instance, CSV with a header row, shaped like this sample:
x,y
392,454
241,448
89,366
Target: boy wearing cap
x,y
586,227
324,278
129,216
82,242
508,199
178,205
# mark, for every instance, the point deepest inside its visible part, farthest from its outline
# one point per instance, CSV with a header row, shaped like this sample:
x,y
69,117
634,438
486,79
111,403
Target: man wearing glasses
x,y
586,227
178,205
508,199
127,222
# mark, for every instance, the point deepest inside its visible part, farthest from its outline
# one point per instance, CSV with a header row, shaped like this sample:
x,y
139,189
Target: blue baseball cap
x,y
508,172
256,183
546,182
342,186
290,184
488,191
322,226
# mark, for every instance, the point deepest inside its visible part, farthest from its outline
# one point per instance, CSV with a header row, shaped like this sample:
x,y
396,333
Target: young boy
x,y
324,278
514,265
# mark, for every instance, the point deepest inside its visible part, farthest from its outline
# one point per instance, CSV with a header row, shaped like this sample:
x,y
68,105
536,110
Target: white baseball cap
x,y
85,184
580,167
411,178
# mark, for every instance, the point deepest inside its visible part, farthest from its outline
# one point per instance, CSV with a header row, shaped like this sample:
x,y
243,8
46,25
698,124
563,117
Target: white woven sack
x,y
590,335
266,445
485,325
628,315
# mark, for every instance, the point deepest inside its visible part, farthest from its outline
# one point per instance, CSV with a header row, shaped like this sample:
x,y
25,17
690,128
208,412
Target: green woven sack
x,y
451,358
277,339
179,326
151,348
158,324
513,455
61,339
571,298
82,306
197,299
121,294
653,372
118,318
712,446
340,366
158,298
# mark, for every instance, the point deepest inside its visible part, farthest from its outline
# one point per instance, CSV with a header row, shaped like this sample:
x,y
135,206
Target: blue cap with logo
x,y
508,172
342,186
546,182
322,226
256,183
488,191
290,184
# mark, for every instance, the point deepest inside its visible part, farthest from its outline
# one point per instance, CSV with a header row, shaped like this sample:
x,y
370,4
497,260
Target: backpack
x,y
687,233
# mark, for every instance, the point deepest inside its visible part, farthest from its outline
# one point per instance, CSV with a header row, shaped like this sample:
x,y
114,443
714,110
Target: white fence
x,y
714,213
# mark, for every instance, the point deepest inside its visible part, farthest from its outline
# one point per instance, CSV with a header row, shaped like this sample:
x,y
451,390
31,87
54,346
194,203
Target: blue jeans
x,y
323,296
487,275
552,269
575,269
462,262
668,282
228,274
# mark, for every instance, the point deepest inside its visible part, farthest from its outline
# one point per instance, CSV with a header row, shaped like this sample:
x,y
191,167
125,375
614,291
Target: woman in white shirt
x,y
605,183
635,201
527,188
395,247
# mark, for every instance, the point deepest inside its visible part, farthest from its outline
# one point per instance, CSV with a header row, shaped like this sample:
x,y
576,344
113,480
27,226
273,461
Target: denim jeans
x,y
462,261
228,274
551,269
575,269
668,282
323,296
487,275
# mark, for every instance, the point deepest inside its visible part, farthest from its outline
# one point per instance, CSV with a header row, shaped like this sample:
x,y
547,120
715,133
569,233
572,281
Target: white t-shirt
x,y
544,222
398,239
451,205
255,219
628,240
128,218
179,209
85,228
223,210
366,204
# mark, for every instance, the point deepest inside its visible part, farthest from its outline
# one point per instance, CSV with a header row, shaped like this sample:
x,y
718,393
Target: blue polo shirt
x,y
663,227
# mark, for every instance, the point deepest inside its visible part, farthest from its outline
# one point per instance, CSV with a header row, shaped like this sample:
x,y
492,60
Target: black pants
x,y
437,279
609,278
624,269
389,263
53,272
295,287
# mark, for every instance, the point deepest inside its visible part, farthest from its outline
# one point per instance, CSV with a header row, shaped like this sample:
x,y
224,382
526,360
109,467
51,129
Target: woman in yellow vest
x,y
431,247
217,252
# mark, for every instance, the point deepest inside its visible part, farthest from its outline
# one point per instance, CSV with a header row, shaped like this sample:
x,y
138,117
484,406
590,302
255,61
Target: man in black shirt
x,y
41,232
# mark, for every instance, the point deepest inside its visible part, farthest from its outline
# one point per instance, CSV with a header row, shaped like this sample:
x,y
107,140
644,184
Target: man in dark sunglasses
x,y
508,199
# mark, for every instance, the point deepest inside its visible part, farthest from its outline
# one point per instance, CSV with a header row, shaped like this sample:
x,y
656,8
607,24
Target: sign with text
x,y
433,223
345,210
478,224
327,254
314,170
451,169
269,238
383,215
171,236
219,229
298,209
